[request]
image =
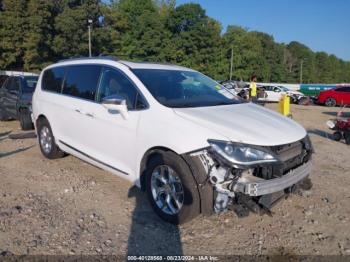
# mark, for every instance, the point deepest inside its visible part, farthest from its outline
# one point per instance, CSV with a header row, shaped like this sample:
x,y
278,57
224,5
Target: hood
x,y
245,123
295,92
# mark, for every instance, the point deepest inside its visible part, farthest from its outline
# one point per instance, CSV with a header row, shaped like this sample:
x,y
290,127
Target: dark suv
x,y
16,99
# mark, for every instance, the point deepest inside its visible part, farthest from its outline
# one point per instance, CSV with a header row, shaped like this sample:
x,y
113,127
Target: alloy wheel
x,y
45,139
167,190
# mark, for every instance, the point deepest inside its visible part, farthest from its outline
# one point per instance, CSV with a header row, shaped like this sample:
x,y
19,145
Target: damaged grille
x,y
292,155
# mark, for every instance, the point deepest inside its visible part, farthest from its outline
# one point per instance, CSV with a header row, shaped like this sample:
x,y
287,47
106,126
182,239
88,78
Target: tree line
x,y
36,33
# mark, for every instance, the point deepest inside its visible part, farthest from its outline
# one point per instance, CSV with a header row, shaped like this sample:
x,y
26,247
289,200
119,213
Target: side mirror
x,y
116,103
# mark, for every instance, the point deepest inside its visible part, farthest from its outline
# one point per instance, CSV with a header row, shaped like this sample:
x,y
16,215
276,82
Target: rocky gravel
x,y
68,207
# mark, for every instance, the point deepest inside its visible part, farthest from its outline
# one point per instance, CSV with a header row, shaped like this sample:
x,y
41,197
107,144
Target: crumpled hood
x,y
246,123
294,92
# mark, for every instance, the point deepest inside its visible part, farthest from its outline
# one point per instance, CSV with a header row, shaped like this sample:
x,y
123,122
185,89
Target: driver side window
x,y
114,82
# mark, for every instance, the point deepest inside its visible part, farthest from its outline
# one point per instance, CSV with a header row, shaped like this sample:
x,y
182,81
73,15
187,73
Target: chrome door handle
x,y
89,115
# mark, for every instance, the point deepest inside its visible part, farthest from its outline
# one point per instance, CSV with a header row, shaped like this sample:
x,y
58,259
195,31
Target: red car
x,y
337,96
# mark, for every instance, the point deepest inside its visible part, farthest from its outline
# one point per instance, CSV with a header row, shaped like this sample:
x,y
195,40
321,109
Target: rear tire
x,y
158,188
47,142
347,137
25,119
330,102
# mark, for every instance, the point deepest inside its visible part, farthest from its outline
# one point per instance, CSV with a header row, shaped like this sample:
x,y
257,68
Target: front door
x,y
12,95
113,136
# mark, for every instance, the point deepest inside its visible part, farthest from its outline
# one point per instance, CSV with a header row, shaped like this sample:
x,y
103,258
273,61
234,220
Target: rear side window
x,y
52,79
82,80
343,89
30,84
2,80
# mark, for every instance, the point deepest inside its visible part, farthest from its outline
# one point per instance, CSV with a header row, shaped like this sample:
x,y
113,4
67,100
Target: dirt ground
x,y
67,207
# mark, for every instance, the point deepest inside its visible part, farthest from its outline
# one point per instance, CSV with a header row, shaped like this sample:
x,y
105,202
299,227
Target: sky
x,y
322,25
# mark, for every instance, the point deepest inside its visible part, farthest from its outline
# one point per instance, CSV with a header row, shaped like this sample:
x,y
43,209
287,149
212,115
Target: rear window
x,y
52,79
343,89
2,80
30,84
82,80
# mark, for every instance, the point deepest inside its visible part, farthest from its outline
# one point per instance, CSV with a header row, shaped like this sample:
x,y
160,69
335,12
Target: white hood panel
x,y
246,123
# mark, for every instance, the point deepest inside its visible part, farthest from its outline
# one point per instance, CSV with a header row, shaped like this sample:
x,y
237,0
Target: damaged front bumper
x,y
258,185
255,186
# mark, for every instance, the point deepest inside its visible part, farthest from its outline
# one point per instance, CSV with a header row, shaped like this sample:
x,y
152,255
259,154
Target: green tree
x,y
142,34
12,30
38,37
71,25
195,38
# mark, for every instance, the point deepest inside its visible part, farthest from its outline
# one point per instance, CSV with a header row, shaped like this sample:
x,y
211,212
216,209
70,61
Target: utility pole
x,y
301,71
89,31
231,68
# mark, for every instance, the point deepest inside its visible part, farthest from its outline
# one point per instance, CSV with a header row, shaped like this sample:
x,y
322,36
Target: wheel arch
x,y
40,118
146,158
205,190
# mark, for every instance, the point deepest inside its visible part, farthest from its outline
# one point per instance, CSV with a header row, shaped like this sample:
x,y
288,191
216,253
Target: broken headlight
x,y
240,154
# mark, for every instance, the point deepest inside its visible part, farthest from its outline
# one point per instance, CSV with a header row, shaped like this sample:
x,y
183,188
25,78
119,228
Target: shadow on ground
x,y
14,152
4,135
149,235
23,135
345,114
321,133
324,134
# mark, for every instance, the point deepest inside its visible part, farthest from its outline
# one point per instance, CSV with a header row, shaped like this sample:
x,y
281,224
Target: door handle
x,y
82,112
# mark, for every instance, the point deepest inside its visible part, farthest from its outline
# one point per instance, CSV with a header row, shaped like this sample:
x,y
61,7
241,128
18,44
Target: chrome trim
x,y
92,158
254,186
97,90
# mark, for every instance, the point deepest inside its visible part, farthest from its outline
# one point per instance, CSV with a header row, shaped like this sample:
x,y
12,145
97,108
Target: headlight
x,y
241,154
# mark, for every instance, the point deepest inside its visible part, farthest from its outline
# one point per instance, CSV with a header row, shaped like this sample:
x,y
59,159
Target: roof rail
x,y
113,58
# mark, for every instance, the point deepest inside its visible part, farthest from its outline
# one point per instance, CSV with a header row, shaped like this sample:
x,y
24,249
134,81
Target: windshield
x,y
284,89
178,89
30,83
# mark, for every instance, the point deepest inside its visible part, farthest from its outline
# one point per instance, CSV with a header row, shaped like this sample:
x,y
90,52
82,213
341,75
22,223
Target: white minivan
x,y
177,134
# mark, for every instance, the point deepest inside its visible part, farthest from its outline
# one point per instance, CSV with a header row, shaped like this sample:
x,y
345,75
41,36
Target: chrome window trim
x,y
88,100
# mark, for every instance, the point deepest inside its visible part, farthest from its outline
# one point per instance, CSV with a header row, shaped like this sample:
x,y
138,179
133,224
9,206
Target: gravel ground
x,y
67,207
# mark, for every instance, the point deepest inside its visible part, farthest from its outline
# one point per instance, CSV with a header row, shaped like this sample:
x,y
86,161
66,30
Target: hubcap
x,y
330,102
45,139
167,189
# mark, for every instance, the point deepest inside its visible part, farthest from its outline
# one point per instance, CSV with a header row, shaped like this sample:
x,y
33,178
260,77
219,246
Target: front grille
x,y
292,155
289,151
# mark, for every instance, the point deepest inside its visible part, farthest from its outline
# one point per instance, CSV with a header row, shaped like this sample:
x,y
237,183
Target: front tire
x,y
171,188
25,119
47,142
330,102
303,101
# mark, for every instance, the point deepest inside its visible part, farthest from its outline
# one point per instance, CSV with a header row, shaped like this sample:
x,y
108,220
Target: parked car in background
x,y
193,146
336,96
16,99
274,94
3,79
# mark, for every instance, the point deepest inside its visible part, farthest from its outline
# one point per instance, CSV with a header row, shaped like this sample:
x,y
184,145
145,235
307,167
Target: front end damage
x,y
256,185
